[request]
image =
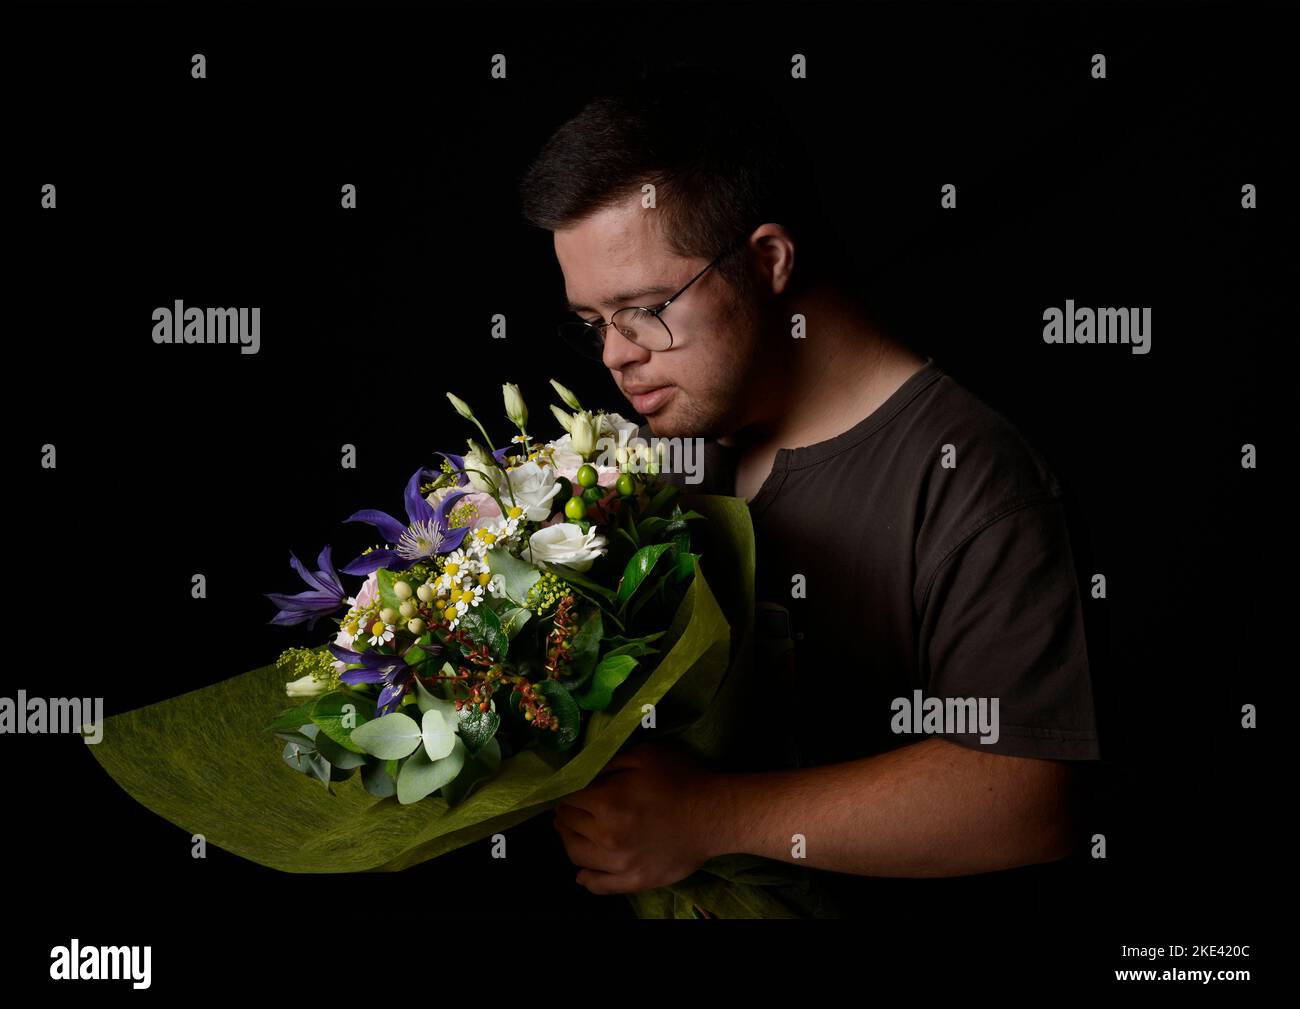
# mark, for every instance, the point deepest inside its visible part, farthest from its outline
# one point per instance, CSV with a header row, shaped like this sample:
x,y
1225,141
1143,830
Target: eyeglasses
x,y
643,326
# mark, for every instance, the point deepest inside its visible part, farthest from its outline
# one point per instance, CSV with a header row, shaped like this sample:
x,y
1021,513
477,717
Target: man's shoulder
x,y
967,455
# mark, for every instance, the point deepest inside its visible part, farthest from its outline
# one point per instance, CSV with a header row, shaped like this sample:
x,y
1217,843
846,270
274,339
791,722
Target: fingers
x,y
585,852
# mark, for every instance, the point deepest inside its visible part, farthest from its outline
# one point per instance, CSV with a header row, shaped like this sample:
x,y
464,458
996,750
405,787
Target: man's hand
x,y
643,822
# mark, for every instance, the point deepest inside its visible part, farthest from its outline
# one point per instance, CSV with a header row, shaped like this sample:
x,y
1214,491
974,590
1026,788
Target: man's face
x,y
697,387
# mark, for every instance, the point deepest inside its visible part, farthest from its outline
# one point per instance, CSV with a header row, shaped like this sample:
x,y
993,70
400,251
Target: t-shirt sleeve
x,y
1002,625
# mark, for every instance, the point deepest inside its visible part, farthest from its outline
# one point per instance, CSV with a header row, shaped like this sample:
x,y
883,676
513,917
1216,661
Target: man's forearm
x,y
930,809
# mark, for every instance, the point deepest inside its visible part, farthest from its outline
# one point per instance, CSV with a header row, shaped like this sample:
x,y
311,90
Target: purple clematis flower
x,y
377,667
325,596
426,535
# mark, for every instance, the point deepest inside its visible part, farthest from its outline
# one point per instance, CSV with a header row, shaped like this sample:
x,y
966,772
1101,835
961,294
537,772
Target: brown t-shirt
x,y
924,549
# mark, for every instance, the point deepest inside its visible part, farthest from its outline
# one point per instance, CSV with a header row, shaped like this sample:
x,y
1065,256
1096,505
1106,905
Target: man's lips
x,y
648,398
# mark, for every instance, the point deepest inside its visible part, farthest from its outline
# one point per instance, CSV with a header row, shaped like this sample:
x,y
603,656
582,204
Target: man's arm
x,y
933,808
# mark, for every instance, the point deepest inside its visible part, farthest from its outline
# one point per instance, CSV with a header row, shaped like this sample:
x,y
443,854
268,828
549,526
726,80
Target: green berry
x,y
575,508
625,486
592,495
587,475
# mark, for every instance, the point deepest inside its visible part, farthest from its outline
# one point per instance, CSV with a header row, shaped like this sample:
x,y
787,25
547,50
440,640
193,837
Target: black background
x,y
225,191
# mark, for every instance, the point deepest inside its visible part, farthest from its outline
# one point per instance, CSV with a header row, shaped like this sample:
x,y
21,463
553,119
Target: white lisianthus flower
x,y
481,468
565,543
533,486
583,433
306,686
567,462
613,425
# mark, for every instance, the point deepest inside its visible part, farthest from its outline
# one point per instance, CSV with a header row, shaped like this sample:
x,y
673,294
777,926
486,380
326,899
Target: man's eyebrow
x,y
622,297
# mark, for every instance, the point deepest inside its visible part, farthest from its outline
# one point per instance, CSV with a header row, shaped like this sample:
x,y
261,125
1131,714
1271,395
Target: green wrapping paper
x,y
204,761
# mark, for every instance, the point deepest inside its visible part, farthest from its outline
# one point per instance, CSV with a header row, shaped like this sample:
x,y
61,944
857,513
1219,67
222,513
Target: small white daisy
x,y
383,637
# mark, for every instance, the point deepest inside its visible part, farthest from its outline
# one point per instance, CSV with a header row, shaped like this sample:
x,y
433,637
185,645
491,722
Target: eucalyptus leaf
x,y
390,738
513,620
420,776
517,576
377,781
439,732
478,769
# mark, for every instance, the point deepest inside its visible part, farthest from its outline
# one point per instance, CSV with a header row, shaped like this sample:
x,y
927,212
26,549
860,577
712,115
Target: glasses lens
x,y
643,328
584,339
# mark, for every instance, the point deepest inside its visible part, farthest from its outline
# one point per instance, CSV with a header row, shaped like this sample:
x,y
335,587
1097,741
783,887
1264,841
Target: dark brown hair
x,y
718,150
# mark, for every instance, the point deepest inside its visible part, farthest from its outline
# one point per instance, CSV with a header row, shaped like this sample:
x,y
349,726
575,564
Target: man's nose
x,y
619,351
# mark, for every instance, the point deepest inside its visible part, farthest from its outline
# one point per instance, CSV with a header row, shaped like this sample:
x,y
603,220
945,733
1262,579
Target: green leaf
x,y
438,729
479,767
566,711
302,755
339,757
629,528
294,718
651,593
633,646
477,727
513,620
569,575
584,650
417,656
517,575
391,738
484,628
340,713
377,781
665,494
421,776
612,671
386,579
655,526
638,567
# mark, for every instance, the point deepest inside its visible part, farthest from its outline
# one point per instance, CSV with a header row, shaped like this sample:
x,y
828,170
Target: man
x,y
913,539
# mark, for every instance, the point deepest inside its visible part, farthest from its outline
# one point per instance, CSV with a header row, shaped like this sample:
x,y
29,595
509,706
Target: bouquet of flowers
x,y
539,606
523,588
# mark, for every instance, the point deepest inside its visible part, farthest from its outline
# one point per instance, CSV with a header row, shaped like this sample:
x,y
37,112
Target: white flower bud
x,y
478,458
516,410
461,406
569,398
583,434
565,419
306,686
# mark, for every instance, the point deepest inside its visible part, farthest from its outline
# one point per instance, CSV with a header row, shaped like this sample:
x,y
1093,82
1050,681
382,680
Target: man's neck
x,y
820,386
